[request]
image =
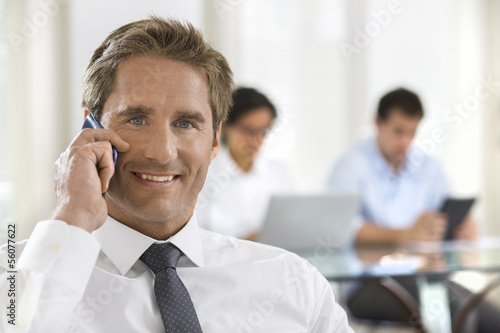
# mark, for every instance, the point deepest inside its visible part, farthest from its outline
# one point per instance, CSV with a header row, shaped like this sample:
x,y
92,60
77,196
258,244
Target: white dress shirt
x,y
233,202
68,280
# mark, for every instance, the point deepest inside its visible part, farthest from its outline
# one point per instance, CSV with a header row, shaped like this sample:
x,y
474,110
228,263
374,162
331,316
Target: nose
x,y
162,145
256,141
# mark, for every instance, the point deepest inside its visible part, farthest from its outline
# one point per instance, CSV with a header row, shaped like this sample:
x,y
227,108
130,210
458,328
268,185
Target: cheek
x,y
385,138
396,139
136,145
236,141
196,155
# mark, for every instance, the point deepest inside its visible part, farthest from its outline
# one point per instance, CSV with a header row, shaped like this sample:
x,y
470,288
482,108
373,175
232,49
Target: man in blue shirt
x,y
402,189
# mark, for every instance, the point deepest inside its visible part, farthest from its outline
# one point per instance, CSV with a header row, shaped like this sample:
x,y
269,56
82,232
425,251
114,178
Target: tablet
x,y
456,210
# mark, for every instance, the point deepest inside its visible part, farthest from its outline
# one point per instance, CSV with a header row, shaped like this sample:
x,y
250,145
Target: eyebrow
x,y
133,111
191,115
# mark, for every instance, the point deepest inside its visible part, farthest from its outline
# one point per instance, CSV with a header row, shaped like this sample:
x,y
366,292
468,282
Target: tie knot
x,y
160,256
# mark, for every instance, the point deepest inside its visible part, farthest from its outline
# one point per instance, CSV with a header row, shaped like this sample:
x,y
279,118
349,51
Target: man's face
x,y
161,108
395,135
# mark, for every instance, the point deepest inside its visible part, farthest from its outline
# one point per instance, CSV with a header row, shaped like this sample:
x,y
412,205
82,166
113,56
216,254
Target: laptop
x,y
300,222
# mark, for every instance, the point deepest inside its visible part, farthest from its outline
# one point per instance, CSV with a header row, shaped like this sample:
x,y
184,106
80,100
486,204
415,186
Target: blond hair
x,y
162,38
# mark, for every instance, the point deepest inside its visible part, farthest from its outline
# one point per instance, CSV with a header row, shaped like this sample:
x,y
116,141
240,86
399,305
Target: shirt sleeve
x,y
439,187
345,176
49,279
329,316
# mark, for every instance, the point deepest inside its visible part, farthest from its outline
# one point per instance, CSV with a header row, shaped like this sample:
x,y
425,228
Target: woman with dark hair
x,y
240,180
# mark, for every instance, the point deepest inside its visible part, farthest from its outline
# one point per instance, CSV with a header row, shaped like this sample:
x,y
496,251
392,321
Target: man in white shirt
x,y
161,93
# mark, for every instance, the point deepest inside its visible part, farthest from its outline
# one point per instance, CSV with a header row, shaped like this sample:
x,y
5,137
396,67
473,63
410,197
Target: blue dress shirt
x,y
389,199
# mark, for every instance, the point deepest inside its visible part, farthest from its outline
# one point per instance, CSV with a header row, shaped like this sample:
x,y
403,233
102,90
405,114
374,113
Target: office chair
x,y
408,305
465,313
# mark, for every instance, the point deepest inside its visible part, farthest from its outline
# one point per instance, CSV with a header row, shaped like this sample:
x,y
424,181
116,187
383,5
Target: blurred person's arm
x,y
468,229
430,226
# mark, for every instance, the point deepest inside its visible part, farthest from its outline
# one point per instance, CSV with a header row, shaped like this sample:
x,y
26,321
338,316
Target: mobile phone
x,y
456,210
92,122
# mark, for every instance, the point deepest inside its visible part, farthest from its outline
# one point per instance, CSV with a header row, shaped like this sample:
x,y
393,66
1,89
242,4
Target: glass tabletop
x,y
428,259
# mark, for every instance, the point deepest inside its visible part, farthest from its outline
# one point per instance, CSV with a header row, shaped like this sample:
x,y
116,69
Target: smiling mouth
x,y
156,179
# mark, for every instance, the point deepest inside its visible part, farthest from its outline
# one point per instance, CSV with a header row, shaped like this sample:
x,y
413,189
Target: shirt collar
x,y
124,245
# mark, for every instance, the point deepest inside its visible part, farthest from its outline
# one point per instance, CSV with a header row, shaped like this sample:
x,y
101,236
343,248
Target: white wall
x,y
491,114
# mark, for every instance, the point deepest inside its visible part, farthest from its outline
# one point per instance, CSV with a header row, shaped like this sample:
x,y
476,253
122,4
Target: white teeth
x,y
158,179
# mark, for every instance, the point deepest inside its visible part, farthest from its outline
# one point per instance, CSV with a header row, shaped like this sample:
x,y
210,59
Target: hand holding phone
x,y
92,122
83,173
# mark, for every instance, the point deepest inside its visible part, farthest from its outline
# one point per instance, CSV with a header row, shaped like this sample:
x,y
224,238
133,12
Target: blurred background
x,y
324,63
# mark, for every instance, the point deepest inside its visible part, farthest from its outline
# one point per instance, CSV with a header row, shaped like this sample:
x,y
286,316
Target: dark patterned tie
x,y
176,308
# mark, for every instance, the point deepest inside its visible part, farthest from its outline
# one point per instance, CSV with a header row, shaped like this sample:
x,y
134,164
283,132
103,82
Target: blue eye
x,y
137,121
185,124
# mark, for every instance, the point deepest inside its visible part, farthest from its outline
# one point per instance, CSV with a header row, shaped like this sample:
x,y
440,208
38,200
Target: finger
x,y
441,227
435,224
100,154
441,217
97,135
467,230
104,164
105,175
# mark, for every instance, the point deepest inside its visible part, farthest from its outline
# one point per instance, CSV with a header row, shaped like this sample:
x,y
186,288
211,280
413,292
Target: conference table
x,y
430,264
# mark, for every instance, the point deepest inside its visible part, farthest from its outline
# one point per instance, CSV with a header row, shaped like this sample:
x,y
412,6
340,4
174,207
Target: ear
x,y
85,113
215,143
378,122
